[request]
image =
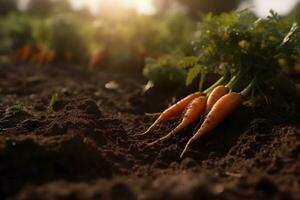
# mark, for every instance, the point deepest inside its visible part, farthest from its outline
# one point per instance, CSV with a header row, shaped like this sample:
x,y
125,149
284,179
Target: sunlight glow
x,y
141,6
93,5
262,7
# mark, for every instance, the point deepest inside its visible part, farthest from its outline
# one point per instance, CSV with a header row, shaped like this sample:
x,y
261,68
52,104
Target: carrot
x,y
193,112
41,60
34,58
174,111
95,59
26,53
222,108
51,56
215,95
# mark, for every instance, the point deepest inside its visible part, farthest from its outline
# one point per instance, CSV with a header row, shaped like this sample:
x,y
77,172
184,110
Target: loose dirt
x,y
83,146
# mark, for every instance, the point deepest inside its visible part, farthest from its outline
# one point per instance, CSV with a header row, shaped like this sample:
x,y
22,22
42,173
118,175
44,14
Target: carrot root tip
x,y
186,147
141,134
152,143
149,129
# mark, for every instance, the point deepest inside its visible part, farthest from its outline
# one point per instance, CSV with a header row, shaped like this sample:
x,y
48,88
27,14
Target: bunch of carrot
x,y
24,54
215,104
95,59
43,57
34,55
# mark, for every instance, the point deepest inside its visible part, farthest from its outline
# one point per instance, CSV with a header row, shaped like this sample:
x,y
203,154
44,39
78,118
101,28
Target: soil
x,y
66,133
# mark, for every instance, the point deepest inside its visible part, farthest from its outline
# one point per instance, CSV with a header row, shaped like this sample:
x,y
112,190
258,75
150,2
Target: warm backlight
x,y
141,6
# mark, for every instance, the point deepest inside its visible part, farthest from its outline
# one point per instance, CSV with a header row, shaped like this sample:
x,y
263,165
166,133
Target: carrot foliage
x,y
164,72
243,50
239,43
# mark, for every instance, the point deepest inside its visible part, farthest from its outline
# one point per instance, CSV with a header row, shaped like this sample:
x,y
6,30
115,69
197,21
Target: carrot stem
x,y
232,81
262,93
217,83
202,78
248,88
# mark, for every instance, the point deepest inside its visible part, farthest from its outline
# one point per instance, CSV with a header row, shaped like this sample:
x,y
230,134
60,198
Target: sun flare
x,y
141,6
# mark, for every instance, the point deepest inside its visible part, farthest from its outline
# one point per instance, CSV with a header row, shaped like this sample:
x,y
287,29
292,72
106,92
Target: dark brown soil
x,y
83,146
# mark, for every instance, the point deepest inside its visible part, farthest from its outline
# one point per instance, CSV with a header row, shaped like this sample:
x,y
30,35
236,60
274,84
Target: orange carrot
x,y
26,54
51,56
215,95
95,59
174,111
41,58
193,112
222,108
46,57
36,58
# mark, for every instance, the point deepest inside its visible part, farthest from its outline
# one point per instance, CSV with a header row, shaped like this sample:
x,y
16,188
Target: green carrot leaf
x,y
193,73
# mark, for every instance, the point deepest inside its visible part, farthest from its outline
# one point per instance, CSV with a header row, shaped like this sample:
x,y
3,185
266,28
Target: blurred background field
x,y
113,35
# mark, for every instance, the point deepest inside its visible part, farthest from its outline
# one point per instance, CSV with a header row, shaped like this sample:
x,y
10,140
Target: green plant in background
x,y
126,39
181,30
164,72
5,44
41,32
39,8
119,39
15,32
20,30
67,40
